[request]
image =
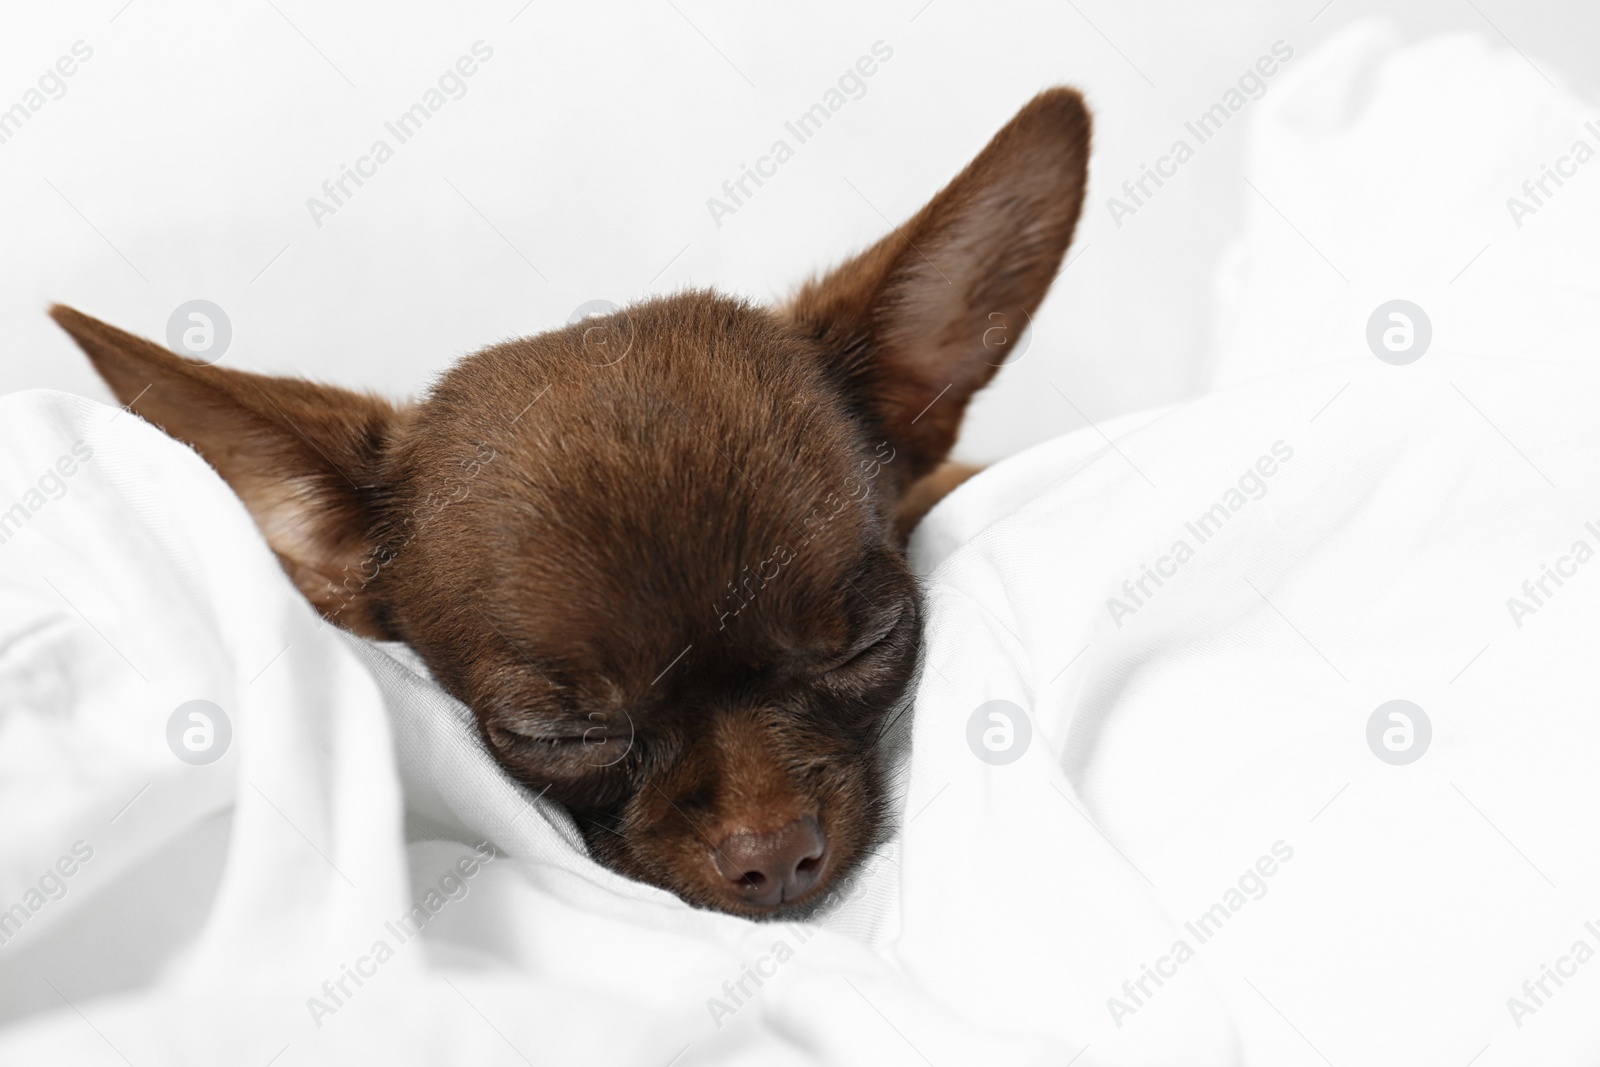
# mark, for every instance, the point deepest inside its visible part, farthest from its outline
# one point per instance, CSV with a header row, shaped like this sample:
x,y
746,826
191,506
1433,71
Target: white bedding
x,y
1225,715
1203,743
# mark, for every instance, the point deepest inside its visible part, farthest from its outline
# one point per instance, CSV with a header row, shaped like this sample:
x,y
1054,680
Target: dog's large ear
x,y
303,457
921,320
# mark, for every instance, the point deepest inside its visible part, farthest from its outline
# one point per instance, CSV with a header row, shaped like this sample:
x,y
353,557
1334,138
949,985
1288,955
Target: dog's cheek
x,y
853,791
653,838
607,844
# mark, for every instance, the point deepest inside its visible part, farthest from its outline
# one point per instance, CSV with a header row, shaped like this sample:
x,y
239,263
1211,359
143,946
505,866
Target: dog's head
x,y
659,553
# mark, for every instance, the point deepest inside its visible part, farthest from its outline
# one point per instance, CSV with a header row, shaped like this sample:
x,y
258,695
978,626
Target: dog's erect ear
x,y
303,457
921,320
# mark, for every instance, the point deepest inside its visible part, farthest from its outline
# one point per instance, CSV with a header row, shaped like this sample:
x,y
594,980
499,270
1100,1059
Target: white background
x,y
578,165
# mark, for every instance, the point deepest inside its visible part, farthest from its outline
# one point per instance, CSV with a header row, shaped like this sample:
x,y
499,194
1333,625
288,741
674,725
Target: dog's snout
x,y
765,869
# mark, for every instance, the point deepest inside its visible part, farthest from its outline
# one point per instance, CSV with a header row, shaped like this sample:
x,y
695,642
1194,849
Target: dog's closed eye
x,y
877,640
876,664
568,748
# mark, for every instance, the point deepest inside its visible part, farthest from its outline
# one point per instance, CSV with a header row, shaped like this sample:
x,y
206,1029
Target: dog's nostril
x,y
765,869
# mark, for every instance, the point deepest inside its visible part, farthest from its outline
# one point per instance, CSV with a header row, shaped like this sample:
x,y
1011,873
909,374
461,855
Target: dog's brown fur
x,y
659,554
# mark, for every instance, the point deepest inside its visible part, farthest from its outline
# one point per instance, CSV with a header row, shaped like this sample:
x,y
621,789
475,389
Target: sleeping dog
x,y
659,554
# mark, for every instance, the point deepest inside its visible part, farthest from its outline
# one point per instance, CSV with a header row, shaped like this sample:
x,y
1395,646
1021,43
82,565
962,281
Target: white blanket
x,y
1179,735
1199,857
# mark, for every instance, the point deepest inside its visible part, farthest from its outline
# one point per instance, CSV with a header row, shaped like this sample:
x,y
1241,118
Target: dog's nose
x,y
765,869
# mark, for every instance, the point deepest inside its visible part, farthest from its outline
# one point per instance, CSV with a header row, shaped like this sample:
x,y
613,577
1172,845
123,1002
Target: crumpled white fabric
x,y
1226,714
1381,172
219,899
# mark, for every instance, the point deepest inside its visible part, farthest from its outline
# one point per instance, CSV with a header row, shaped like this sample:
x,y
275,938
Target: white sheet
x,y
249,882
1229,711
1225,716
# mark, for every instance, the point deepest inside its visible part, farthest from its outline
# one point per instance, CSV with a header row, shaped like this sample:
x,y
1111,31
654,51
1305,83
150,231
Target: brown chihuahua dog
x,y
659,554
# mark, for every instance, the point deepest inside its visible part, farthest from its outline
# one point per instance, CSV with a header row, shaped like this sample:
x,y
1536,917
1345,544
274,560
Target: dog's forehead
x,y
726,368
679,472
